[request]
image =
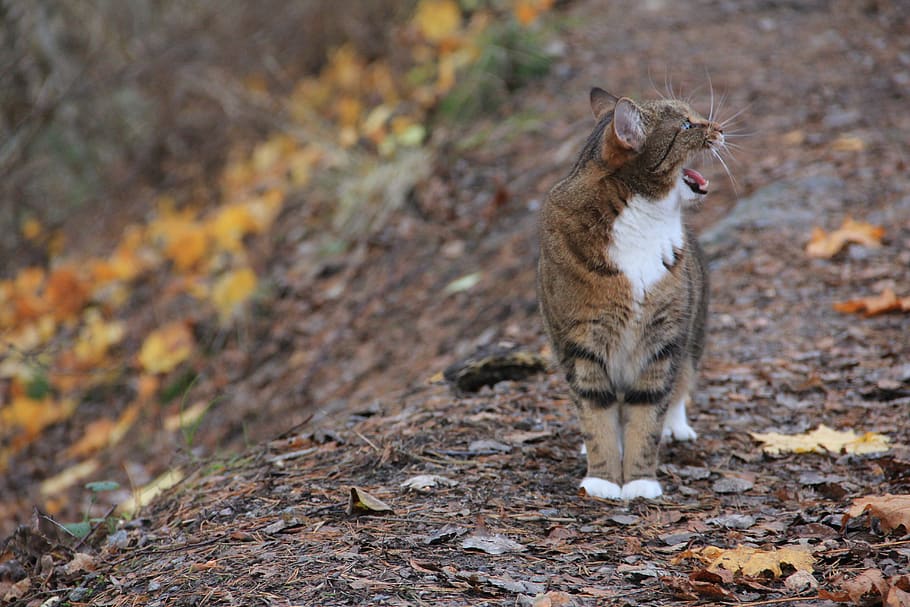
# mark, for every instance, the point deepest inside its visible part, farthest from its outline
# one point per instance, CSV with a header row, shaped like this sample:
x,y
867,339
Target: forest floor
x,y
334,390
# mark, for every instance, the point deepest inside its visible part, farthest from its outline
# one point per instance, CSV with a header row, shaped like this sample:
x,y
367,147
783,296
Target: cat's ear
x,y
628,125
601,102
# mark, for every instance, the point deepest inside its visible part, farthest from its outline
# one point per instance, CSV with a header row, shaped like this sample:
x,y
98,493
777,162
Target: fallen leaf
x,y
69,477
464,283
80,562
66,292
491,543
886,301
437,19
425,482
751,562
167,347
232,290
824,245
185,418
144,495
553,598
822,439
361,502
848,144
892,510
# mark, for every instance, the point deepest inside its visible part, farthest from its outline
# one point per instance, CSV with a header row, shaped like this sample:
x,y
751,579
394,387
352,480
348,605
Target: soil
x,y
333,385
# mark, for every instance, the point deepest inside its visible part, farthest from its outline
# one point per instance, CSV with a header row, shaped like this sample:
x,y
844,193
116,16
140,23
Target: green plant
x,y
511,56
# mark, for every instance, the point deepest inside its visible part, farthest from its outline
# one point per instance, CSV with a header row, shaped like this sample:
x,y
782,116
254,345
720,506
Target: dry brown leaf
x,y
868,582
361,502
81,562
886,301
825,246
892,510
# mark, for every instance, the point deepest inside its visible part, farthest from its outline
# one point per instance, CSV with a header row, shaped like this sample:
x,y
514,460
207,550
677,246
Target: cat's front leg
x,y
641,439
598,413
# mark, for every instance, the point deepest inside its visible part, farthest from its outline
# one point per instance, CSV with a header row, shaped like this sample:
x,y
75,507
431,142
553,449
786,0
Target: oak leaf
x,y
822,439
892,510
826,245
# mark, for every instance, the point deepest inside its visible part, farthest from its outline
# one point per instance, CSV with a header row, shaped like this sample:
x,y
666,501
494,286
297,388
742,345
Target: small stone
x,y
732,521
732,485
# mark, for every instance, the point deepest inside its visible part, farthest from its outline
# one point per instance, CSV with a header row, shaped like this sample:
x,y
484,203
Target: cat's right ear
x,y
628,125
624,137
601,102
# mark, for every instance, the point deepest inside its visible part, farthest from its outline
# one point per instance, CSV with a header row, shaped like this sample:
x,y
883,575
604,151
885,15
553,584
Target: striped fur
x,y
623,288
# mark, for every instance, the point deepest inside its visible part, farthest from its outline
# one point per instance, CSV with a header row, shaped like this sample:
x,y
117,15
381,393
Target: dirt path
x,y
824,91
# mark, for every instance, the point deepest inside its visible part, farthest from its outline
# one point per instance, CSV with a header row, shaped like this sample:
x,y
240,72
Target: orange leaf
x,y
886,301
166,347
187,247
824,245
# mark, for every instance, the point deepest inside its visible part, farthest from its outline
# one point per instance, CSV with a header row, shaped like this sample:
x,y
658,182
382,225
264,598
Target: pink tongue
x,y
696,177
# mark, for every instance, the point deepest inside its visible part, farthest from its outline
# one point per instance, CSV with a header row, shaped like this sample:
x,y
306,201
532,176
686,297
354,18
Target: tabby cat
x,y
623,288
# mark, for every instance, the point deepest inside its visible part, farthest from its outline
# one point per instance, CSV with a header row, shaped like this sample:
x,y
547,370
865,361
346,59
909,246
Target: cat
x,y
623,287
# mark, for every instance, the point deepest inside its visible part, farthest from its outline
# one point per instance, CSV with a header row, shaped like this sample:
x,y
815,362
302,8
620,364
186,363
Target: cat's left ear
x,y
601,102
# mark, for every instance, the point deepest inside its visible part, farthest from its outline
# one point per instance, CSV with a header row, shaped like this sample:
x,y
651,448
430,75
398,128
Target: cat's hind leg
x,y
676,425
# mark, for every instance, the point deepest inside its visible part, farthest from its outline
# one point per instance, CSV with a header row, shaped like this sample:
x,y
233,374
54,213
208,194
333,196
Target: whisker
x,y
734,134
730,119
654,86
711,89
727,169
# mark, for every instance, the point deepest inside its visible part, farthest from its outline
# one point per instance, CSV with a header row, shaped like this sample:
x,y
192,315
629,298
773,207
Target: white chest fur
x,y
643,239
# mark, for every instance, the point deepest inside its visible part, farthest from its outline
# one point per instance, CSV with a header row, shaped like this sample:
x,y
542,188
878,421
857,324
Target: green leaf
x,y
80,530
100,486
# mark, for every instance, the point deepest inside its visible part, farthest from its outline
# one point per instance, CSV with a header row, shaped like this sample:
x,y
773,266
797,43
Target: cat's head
x,y
648,144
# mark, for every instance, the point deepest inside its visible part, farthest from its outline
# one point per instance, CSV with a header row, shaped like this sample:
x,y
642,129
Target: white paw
x,y
675,424
598,487
643,487
584,449
681,432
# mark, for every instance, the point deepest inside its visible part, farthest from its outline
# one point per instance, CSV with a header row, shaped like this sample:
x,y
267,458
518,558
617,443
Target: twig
x,y
95,528
786,599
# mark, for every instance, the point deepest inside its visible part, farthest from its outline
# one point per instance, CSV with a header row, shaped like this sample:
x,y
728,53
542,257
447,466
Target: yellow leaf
x,y
167,347
34,415
436,20
230,225
96,338
103,433
264,209
822,439
348,110
68,477
751,562
32,228
825,245
187,247
848,144
144,496
232,290
186,417
345,69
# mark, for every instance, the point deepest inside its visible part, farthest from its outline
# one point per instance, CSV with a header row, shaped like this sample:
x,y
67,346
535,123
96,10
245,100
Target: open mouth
x,y
695,181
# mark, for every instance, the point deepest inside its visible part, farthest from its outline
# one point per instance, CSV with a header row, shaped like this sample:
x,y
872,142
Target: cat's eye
x,y
686,125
